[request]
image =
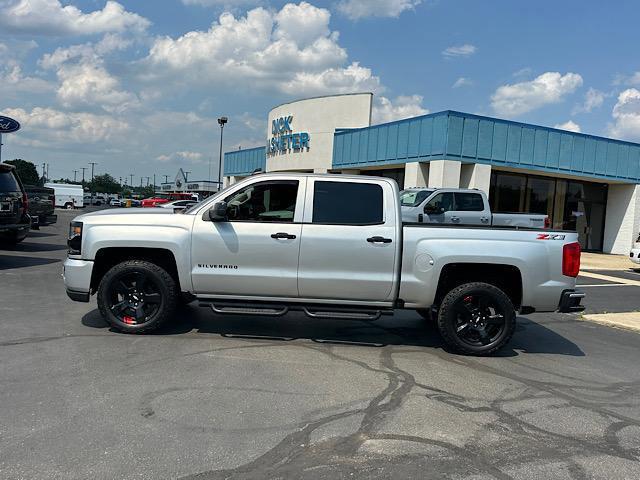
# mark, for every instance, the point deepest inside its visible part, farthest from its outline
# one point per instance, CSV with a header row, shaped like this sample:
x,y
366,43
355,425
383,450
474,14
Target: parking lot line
x,y
609,278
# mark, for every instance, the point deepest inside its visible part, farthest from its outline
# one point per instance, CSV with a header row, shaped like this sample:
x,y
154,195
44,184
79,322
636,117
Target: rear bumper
x,y
77,279
570,301
17,230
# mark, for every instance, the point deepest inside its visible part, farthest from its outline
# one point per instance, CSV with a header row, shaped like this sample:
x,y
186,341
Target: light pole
x,y
166,178
74,175
83,169
221,121
93,164
186,176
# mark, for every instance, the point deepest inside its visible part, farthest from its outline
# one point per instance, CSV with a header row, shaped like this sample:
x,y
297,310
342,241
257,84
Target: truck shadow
x,y
27,246
8,262
401,329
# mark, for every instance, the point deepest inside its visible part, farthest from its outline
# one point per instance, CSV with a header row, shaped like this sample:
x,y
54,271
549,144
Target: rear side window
x,y
346,203
8,182
469,202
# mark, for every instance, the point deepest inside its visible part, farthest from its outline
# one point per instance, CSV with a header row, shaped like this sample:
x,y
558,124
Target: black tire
x,y
476,319
68,206
137,296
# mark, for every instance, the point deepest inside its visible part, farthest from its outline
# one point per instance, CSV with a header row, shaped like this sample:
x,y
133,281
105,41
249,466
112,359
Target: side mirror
x,y
431,209
218,213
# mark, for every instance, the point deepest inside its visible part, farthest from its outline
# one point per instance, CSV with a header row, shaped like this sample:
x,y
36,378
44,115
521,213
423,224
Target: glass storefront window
x,y
570,204
507,192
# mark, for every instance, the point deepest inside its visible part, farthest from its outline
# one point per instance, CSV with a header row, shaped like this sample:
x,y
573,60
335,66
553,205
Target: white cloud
x,y
50,17
465,50
462,82
626,115
569,125
292,51
48,128
14,81
182,157
592,99
84,80
628,80
385,110
519,98
356,9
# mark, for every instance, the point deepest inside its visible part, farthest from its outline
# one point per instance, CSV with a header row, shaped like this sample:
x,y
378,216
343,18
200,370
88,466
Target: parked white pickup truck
x,y
332,246
461,207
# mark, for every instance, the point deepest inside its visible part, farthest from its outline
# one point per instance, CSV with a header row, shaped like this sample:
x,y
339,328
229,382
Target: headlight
x,y
75,238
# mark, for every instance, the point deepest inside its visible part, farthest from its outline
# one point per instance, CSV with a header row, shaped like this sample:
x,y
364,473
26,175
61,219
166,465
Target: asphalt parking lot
x,y
226,397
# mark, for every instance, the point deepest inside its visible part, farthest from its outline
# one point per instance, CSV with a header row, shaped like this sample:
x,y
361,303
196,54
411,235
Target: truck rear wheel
x,y
476,318
137,296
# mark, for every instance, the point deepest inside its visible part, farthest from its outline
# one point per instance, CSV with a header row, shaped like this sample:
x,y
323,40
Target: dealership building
x,y
583,182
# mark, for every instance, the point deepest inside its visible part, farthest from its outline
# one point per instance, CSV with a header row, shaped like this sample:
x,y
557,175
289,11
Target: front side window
x,y
442,202
469,202
273,201
413,198
347,203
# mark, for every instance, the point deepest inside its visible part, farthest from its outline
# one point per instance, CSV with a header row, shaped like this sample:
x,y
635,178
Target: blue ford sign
x,y
8,125
284,139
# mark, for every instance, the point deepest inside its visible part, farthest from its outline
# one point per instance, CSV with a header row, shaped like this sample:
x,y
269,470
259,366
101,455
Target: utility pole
x,y
74,175
147,180
44,174
186,176
154,181
141,181
131,175
166,178
93,164
120,181
48,170
83,169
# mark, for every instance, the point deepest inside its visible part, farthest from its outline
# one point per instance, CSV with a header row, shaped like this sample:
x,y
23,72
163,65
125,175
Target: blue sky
x,y
137,85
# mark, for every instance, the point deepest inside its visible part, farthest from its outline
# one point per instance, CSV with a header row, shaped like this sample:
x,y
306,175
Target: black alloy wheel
x,y
137,296
134,298
476,318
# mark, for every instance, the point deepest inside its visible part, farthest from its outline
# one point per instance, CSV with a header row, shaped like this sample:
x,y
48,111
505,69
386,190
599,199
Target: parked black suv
x,y
14,218
41,205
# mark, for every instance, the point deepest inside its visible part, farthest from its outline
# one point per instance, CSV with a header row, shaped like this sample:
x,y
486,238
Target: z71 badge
x,y
549,236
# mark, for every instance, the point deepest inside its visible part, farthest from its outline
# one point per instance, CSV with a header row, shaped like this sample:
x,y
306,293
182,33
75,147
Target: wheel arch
x,y
108,257
507,278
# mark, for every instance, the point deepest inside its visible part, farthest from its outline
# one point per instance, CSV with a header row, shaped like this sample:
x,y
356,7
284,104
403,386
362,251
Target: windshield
x,y
413,198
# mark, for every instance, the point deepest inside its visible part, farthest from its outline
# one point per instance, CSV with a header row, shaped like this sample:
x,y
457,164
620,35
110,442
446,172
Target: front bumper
x,y
77,278
634,256
570,301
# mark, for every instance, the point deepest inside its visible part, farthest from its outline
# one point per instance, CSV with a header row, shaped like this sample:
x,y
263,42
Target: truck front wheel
x,y
137,296
476,318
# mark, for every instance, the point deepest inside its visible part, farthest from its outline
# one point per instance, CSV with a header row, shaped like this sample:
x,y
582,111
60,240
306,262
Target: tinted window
x,y
346,203
442,202
413,198
8,182
469,202
264,202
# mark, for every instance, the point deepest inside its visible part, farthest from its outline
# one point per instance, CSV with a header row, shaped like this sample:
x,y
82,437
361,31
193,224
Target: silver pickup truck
x,y
461,207
331,246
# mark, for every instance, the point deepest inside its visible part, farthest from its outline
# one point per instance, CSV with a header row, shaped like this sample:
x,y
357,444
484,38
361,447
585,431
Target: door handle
x,y
378,239
283,235
484,219
455,219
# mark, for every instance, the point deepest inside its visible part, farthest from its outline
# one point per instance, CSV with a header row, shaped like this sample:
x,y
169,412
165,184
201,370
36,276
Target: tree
x,y
104,184
26,171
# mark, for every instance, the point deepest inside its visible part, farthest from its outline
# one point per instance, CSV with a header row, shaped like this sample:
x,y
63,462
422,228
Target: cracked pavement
x,y
214,397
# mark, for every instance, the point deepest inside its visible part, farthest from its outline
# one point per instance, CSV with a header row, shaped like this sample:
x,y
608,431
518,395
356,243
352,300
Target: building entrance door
x,y
584,212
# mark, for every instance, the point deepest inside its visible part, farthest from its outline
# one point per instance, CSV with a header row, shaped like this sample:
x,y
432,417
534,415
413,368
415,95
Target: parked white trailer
x,y
67,196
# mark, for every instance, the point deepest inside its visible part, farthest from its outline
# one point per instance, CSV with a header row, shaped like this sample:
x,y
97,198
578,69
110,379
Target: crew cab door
x,y
255,252
471,209
350,238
